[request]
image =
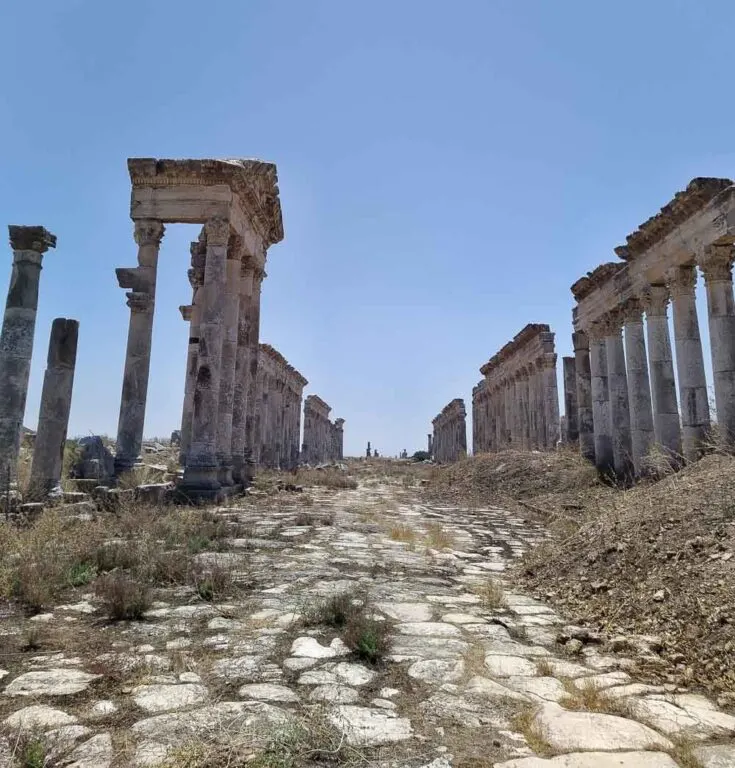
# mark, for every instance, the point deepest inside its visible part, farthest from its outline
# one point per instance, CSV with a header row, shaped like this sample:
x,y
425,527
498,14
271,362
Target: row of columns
x,y
630,390
16,349
279,392
519,411
323,440
217,419
449,440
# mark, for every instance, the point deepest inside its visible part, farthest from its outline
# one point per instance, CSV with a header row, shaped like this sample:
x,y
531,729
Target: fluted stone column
x,y
231,315
666,424
569,367
585,420
192,314
141,281
522,390
53,419
551,400
617,382
16,339
242,372
201,475
600,401
716,264
689,362
508,392
534,398
639,389
253,341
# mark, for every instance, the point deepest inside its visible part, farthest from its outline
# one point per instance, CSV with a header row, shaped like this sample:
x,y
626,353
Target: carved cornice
x,y
682,280
37,239
148,232
595,279
699,192
254,182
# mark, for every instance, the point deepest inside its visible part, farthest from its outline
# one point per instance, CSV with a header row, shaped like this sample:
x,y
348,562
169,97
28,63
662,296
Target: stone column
x,y
689,362
16,339
141,281
600,401
639,388
551,400
253,341
534,396
242,372
230,319
585,421
191,314
716,264
666,426
569,366
53,419
201,476
430,447
617,382
522,403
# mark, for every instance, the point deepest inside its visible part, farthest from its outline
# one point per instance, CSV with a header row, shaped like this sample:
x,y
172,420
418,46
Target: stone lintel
x,y
35,238
317,405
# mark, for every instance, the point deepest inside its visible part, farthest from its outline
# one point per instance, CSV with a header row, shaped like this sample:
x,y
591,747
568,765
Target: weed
x,y
335,611
303,518
402,533
367,637
544,668
81,573
123,597
438,538
32,753
525,722
212,583
491,595
32,639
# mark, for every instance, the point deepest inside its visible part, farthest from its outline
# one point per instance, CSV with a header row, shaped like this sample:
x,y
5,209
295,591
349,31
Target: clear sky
x,y
447,170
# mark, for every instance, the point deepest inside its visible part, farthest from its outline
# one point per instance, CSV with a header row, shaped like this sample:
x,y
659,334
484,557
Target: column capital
x,y
37,239
185,310
580,341
196,277
611,323
547,360
148,231
217,230
597,331
682,279
139,302
716,263
632,311
655,299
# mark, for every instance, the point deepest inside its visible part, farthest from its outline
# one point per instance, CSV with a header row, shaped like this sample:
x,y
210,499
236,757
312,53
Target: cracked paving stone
x,y
50,682
164,698
38,717
367,727
595,760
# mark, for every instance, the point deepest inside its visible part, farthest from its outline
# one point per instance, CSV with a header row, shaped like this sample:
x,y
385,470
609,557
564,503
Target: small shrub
x,y
32,639
116,554
491,595
123,597
367,637
402,533
544,668
335,611
213,583
32,753
438,538
303,518
81,573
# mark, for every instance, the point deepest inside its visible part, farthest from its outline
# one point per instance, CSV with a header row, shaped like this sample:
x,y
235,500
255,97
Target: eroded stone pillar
x,y
600,401
253,341
16,339
201,475
429,446
242,371
551,399
666,424
617,382
585,419
569,367
230,319
689,362
53,418
716,264
141,281
639,388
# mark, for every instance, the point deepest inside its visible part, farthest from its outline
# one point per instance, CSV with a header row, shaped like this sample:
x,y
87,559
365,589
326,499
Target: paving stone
x,y
481,687
437,671
505,666
595,760
414,648
538,688
604,680
239,668
353,674
95,753
295,664
335,694
366,727
429,628
720,756
38,717
164,698
268,692
570,731
100,709
407,611
695,721
461,618
50,682
310,648
318,677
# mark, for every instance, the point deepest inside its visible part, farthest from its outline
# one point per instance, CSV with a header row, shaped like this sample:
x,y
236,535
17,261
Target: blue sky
x,y
447,170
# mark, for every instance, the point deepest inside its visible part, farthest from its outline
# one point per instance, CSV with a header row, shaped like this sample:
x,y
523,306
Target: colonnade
x,y
449,439
624,364
323,439
279,393
516,405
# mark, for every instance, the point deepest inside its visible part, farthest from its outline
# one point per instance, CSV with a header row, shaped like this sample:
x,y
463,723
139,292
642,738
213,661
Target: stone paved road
x,y
466,683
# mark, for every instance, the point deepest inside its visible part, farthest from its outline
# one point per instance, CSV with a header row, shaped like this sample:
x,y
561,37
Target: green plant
x,y
367,637
212,583
33,754
335,611
80,573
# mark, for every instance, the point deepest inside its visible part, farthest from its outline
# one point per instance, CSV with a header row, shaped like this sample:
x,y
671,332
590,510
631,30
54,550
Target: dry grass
x,y
492,597
588,697
403,533
332,478
438,538
525,722
544,668
123,598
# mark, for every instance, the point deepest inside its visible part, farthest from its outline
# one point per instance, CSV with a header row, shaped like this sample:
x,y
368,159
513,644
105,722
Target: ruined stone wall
x,y
449,440
626,389
516,405
279,394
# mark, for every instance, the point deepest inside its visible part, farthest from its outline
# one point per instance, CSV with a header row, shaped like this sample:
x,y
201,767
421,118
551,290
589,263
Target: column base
x,y
201,478
125,464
